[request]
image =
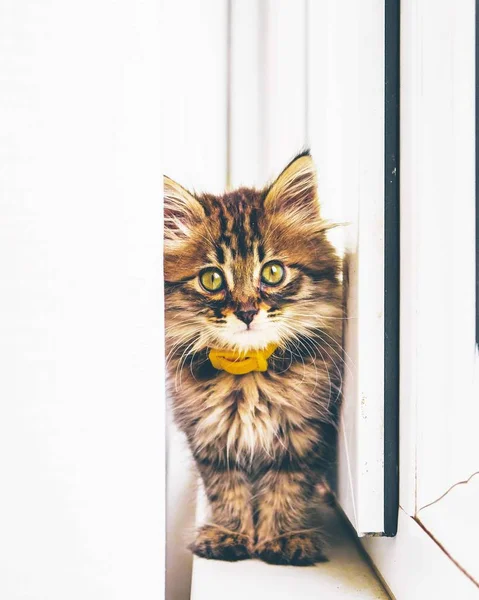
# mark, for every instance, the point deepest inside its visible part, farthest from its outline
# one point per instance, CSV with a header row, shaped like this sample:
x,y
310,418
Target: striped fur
x,y
261,441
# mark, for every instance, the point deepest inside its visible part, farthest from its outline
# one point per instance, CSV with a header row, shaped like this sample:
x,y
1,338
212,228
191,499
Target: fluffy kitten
x,y
245,271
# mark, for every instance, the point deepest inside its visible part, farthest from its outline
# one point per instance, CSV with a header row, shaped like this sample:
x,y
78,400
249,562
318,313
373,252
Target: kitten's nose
x,y
246,315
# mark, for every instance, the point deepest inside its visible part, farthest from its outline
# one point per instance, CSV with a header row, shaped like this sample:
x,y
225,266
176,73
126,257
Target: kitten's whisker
x,y
338,369
327,371
185,339
295,312
323,341
179,366
343,350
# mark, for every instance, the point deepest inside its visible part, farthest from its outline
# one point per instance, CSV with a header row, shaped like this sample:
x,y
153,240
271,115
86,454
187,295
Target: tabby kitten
x,y
253,315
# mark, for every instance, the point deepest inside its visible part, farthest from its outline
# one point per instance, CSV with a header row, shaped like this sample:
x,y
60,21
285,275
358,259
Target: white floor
x,y
346,575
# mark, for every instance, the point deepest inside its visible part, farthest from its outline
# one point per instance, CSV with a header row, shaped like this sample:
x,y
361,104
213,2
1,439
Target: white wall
x,y
268,88
81,385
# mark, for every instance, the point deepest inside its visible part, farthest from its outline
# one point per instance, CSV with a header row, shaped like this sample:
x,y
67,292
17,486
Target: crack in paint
x,y
447,491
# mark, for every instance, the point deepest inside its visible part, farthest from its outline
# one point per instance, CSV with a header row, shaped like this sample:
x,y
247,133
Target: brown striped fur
x,y
262,441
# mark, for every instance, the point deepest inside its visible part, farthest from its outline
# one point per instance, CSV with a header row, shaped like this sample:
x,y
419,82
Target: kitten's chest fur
x,y
259,416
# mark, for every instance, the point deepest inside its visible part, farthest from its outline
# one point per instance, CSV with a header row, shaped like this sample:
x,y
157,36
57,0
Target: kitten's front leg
x,y
230,535
282,533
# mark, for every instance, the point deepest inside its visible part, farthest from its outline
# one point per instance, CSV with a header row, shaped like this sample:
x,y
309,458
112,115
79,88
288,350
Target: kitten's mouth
x,y
248,329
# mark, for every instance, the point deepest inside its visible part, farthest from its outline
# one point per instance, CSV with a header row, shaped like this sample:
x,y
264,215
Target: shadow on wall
x,y
181,485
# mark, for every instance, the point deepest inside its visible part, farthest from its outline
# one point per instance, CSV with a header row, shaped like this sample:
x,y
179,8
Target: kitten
x,y
251,278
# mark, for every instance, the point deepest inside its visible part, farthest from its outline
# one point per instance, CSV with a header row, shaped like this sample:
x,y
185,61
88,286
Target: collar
x,y
240,363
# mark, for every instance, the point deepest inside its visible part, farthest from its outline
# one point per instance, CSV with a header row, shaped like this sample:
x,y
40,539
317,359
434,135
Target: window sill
x,y
346,575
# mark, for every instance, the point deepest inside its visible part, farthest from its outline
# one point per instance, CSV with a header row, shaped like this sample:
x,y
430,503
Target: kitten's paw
x,y
220,544
299,549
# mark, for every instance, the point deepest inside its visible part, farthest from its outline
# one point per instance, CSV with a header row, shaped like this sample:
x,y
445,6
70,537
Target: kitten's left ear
x,y
182,212
294,191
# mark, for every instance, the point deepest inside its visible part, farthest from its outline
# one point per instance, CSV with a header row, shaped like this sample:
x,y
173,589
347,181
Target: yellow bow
x,y
240,363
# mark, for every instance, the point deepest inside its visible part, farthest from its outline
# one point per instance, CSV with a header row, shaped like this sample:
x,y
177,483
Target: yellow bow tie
x,y
240,363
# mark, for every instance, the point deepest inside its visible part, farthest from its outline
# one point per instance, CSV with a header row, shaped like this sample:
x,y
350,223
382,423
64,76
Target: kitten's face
x,y
249,268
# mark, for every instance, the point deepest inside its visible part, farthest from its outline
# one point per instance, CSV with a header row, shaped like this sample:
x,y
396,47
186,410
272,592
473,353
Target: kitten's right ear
x,y
294,192
182,212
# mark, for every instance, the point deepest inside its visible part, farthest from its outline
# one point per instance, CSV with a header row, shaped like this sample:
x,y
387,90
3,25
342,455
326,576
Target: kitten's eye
x,y
272,273
211,280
